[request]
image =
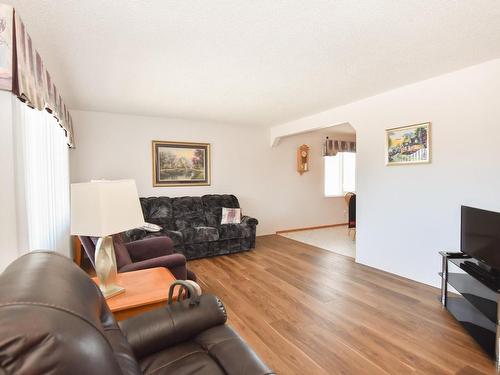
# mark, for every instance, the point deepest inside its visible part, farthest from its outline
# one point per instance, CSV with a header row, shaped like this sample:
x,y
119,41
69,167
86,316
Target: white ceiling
x,y
255,62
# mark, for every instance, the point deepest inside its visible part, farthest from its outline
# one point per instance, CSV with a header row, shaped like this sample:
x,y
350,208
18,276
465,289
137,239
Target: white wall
x,y
264,179
8,226
406,214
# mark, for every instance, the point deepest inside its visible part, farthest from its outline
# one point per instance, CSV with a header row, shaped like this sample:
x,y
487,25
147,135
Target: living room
x,y
256,88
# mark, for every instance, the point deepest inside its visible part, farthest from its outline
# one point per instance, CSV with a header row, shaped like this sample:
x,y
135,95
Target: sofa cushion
x,y
200,234
174,235
228,246
197,250
212,205
230,231
158,210
218,350
182,359
188,212
231,352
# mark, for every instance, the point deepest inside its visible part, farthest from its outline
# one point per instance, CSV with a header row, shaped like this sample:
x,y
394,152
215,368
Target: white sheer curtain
x,y
42,180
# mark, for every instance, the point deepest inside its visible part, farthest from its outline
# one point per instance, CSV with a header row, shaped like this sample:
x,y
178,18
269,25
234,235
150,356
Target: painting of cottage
x,y
408,144
181,163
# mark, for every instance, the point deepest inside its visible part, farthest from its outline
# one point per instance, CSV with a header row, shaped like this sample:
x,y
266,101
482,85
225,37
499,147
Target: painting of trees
x,y
179,162
198,158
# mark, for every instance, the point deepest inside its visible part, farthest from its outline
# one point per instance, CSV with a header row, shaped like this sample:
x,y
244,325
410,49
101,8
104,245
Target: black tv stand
x,y
477,305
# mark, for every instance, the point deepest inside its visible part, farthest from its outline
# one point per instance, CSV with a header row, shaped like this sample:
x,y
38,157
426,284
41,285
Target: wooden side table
x,y
144,290
77,251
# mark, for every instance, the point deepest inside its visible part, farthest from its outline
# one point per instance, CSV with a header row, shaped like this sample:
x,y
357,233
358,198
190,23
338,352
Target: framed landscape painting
x,y
408,144
181,164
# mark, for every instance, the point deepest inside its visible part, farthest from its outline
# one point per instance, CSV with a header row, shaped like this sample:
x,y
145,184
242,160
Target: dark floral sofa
x,y
194,225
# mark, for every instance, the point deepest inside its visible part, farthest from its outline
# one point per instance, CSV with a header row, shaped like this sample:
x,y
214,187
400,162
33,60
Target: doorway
x,y
338,193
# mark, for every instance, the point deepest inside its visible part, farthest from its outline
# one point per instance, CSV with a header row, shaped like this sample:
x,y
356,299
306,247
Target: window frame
x,y
341,183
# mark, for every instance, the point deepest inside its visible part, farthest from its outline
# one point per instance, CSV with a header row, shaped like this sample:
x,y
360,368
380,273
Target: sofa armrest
x,y
159,329
247,220
168,261
134,234
147,248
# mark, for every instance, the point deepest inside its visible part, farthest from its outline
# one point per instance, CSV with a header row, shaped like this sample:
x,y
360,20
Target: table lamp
x,y
101,209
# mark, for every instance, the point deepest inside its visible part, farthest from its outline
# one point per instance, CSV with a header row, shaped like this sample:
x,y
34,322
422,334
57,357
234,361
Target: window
x,y
42,180
340,174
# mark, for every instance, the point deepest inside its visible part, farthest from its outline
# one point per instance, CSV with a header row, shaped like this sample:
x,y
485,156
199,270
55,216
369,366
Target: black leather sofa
x,y
194,225
54,320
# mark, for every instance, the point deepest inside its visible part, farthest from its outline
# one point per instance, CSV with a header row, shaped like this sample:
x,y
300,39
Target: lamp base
x,y
111,290
105,267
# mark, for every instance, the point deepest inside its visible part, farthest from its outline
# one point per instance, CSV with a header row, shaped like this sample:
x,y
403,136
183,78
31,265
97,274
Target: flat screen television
x,y
480,235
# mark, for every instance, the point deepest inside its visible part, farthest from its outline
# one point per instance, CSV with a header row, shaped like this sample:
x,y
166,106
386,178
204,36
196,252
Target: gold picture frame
x,y
181,163
409,144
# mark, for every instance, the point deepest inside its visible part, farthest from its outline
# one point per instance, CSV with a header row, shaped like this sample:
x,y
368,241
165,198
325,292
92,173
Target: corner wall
x,y
406,214
265,180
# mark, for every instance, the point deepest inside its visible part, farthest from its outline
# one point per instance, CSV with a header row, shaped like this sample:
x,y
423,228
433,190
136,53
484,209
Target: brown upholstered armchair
x,y
55,321
142,254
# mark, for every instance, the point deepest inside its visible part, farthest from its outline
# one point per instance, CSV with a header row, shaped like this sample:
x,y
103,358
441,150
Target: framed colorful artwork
x,y
408,144
181,163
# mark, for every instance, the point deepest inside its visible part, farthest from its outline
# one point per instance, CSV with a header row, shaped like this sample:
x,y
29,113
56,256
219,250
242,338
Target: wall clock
x,y
303,159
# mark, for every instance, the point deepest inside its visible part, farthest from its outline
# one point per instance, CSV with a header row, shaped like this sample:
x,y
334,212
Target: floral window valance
x,y
332,146
23,73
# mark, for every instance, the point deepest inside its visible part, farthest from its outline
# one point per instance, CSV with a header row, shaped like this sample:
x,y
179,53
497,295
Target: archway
x,y
334,152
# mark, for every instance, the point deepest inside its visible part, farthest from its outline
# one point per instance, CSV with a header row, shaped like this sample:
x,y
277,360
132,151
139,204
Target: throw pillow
x,y
231,215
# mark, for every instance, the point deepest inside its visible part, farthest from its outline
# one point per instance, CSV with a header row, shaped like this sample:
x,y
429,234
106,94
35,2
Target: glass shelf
x,y
475,323
458,262
481,297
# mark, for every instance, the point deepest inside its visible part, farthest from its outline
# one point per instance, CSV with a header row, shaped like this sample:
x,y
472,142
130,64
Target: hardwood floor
x,y
309,311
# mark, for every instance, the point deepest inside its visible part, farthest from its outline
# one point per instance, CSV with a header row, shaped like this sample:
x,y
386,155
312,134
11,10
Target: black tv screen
x,y
480,235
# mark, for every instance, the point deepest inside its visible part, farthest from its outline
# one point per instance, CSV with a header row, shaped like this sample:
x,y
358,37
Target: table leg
x,y
444,281
77,251
497,339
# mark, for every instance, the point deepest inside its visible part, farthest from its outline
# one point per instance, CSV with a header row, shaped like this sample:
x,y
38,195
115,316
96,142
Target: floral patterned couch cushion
x,y
188,212
230,231
200,235
158,210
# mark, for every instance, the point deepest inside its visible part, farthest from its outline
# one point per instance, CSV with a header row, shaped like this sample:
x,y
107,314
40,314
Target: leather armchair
x,y
180,338
74,332
142,254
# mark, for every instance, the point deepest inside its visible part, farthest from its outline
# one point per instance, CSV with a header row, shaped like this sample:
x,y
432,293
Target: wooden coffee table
x,y
144,290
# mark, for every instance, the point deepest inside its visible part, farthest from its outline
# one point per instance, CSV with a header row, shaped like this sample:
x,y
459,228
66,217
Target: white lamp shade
x,y
103,208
